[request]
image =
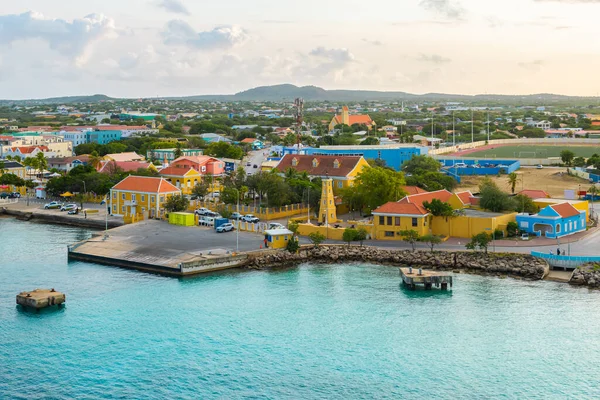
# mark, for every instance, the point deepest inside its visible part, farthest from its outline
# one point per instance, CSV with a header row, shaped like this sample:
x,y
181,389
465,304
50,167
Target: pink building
x,y
205,165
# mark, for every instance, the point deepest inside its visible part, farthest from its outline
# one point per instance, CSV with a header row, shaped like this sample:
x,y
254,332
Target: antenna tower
x,y
299,114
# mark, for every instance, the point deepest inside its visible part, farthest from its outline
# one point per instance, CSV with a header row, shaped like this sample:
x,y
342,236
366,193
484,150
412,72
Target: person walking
x,y
266,243
558,252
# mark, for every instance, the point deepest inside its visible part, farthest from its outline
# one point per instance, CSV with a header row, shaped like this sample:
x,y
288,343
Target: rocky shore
x,y
587,275
60,219
515,265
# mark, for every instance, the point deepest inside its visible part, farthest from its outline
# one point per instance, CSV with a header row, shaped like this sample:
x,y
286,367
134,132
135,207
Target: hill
x,y
96,98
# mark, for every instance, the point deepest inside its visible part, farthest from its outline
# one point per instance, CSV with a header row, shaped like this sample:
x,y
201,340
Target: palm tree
x,y
95,159
513,178
41,161
9,158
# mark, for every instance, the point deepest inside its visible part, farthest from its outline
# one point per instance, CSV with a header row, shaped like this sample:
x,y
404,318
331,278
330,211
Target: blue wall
x,y
567,225
103,137
486,167
393,157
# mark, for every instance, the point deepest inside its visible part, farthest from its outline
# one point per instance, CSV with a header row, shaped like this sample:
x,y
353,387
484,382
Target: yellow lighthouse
x,y
327,212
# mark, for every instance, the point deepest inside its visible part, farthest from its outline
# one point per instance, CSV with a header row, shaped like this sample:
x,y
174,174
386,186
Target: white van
x,y
460,165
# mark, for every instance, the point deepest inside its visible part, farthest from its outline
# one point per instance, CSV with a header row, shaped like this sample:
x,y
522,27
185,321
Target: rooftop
x,y
146,184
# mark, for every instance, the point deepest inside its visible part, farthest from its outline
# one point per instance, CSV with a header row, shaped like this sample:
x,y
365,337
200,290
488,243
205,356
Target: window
x,y
134,197
557,228
122,196
143,198
123,209
162,199
152,199
389,234
381,220
414,222
115,195
294,162
570,225
340,184
336,164
524,224
114,209
389,221
397,221
315,163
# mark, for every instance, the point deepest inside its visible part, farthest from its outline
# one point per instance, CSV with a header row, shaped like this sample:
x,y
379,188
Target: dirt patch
x,y
553,180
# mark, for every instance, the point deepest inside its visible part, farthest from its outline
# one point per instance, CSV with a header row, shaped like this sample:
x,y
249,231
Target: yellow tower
x,y
327,212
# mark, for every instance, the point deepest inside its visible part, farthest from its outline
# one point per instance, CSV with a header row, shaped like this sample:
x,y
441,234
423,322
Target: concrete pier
x,y
412,277
41,298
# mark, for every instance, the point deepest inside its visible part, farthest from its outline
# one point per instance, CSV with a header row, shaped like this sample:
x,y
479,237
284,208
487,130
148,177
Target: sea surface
x,y
311,332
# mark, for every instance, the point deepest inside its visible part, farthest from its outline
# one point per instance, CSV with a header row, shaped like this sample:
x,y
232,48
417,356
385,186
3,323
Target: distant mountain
x,y
287,92
62,100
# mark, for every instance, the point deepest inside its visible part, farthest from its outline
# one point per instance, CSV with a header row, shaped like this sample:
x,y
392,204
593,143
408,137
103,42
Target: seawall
x,y
587,275
501,264
60,219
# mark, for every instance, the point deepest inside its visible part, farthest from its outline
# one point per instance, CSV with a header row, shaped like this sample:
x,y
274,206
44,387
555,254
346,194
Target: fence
x,y
261,212
546,141
580,172
565,261
8,201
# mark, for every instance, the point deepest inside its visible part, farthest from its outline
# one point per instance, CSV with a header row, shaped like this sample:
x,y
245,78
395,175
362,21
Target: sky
x,y
148,48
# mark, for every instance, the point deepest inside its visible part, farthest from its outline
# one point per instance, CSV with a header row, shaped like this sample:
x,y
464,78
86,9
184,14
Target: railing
x,y
8,201
565,261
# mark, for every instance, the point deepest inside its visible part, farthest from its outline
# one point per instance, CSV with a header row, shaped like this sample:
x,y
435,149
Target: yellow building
x,y
183,178
341,169
278,238
347,119
15,168
136,198
393,217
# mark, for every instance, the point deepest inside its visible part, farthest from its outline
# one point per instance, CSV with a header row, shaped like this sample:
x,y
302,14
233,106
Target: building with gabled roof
x,y
184,178
205,165
534,193
128,156
136,198
554,221
110,167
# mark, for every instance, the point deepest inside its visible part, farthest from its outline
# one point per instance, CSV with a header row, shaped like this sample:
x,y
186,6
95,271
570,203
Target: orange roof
x,y
249,140
355,119
534,194
565,210
196,159
146,184
177,171
127,166
410,190
400,208
419,199
29,149
465,197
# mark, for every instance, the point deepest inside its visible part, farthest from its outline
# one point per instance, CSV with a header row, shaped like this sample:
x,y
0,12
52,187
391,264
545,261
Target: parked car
x,y
214,194
540,166
52,204
276,225
228,227
460,165
248,164
73,211
68,207
250,218
212,214
4,195
236,216
15,195
255,166
201,211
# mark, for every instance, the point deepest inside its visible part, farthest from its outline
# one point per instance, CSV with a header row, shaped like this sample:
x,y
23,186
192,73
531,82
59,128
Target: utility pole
x,y
453,131
472,126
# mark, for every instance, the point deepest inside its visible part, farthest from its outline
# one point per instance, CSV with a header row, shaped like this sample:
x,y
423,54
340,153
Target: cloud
x,y
72,39
341,56
533,65
372,42
180,32
434,59
446,8
569,1
174,6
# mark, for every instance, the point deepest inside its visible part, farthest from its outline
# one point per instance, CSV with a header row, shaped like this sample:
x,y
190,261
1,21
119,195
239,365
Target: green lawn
x,y
533,151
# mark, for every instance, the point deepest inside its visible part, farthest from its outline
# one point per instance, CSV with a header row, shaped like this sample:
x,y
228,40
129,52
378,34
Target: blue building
x,y
394,155
104,137
554,221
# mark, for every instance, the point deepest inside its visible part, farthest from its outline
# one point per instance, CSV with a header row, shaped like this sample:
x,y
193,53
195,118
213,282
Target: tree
x,y
293,226
420,164
200,190
567,157
349,235
95,159
229,195
41,162
579,162
361,235
292,245
513,178
492,198
524,204
373,187
370,141
512,229
439,208
411,236
177,203
431,240
480,241
316,238
425,173
224,150
177,152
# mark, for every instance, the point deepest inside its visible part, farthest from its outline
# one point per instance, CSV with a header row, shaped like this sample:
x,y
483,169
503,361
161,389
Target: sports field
x,y
531,151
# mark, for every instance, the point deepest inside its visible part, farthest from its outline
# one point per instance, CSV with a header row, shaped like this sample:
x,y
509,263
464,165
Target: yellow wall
x,y
279,241
456,202
467,226
185,183
398,223
21,173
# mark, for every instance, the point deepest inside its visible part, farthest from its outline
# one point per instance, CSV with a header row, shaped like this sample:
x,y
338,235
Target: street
x,y
256,157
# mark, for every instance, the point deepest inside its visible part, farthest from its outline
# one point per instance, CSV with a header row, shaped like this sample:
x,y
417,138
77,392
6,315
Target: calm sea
x,y
329,332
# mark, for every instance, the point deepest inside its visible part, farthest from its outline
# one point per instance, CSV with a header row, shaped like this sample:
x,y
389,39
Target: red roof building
x,y
534,194
347,119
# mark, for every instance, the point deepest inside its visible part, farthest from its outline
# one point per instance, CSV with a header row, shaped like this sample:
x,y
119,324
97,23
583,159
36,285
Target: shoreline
x,y
58,219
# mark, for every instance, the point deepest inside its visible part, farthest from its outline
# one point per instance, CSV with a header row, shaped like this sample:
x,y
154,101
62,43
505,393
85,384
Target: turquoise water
x,y
332,332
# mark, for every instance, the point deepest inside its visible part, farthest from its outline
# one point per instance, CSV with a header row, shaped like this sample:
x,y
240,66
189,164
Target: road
x,y
256,157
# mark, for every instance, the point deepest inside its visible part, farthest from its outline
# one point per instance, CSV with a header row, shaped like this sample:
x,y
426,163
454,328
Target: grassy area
x,y
534,151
